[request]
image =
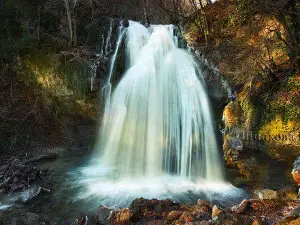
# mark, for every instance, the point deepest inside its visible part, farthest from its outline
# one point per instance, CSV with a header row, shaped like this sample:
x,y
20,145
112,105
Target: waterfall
x,y
158,119
107,88
157,138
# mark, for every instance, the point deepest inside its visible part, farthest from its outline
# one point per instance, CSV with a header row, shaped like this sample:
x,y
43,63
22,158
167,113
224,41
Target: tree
x,y
70,6
287,12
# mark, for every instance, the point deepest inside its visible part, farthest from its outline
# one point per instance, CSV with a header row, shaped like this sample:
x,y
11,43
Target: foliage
x,y
284,102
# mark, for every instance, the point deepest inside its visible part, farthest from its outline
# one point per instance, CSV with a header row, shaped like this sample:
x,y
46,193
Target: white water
x,y
107,89
157,139
159,120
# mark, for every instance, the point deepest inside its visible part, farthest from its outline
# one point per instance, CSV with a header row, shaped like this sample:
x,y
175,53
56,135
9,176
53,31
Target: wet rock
x,y
124,23
102,215
202,211
150,204
226,218
249,167
148,208
30,193
244,207
174,215
204,204
123,216
295,212
186,217
289,221
288,193
265,194
83,221
215,211
258,221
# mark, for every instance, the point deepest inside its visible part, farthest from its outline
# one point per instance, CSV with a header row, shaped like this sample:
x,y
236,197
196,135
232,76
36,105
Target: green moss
x,y
54,74
285,101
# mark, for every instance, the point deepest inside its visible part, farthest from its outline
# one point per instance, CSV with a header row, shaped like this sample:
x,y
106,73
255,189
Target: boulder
x,y
215,211
202,211
124,23
102,215
258,221
265,194
244,207
148,208
174,215
83,221
295,212
289,221
123,216
288,193
186,217
226,218
30,193
296,171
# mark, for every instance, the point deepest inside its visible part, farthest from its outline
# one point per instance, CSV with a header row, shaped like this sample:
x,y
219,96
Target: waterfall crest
x,y
158,119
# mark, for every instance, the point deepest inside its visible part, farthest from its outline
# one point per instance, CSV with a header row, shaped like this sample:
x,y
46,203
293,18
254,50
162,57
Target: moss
x,y
62,83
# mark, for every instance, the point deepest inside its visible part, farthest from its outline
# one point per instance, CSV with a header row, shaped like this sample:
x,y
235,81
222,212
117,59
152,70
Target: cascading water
x,y
157,138
159,119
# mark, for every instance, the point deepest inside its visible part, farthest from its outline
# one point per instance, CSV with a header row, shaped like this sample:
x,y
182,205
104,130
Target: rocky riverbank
x,y
144,211
39,201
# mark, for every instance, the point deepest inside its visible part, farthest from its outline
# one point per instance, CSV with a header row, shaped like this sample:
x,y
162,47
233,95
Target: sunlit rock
x,y
296,171
215,211
243,207
266,194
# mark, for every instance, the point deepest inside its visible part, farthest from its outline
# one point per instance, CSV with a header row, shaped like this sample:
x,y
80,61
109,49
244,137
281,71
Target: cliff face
x,y
250,45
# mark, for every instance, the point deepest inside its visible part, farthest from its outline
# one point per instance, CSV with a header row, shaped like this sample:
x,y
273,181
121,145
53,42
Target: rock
x,y
30,193
288,193
203,207
202,203
295,212
83,221
226,218
249,168
202,211
289,221
265,194
148,208
258,221
243,207
122,216
296,171
102,215
186,217
236,143
296,176
124,23
215,211
174,215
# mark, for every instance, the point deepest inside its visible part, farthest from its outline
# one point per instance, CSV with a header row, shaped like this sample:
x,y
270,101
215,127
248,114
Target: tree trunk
x,y
145,11
74,23
290,41
206,30
295,26
69,18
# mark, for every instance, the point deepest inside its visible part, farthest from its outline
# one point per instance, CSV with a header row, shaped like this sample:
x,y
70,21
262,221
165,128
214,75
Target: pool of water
x,y
79,187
